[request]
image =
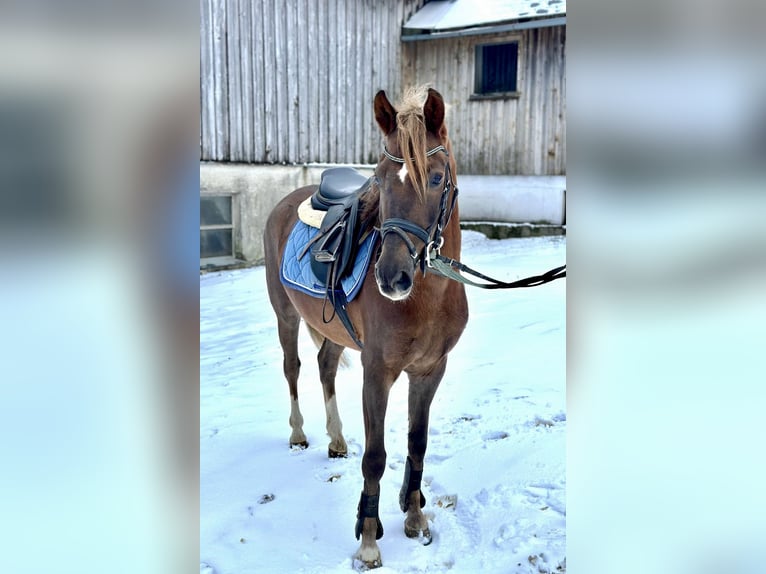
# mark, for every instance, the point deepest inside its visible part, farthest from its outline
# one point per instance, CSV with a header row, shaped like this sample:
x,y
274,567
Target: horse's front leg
x,y
411,500
377,384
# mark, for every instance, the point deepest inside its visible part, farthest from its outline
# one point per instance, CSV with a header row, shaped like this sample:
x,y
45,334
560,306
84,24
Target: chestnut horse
x,y
407,320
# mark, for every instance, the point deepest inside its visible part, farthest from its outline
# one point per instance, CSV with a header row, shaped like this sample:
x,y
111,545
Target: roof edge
x,y
413,35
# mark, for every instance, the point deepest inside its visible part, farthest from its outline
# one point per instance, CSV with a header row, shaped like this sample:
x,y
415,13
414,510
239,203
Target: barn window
x,y
497,69
216,234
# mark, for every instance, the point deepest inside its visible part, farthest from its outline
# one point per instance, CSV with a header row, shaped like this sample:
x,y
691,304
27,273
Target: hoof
x,y
302,445
331,453
363,566
423,536
367,558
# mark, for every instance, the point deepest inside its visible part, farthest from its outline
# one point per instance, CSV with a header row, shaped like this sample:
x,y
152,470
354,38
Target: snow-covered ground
x,y
496,441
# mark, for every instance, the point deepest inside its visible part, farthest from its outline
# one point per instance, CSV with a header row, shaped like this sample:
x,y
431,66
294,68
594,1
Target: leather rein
x,y
429,257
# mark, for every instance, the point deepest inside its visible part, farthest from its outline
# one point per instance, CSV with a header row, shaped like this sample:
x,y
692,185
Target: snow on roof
x,y
450,14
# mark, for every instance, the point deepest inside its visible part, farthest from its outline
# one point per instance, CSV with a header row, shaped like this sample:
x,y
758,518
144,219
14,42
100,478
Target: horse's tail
x,y
318,339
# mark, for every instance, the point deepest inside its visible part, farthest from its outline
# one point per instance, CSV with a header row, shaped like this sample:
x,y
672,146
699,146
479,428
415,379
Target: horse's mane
x,y
369,203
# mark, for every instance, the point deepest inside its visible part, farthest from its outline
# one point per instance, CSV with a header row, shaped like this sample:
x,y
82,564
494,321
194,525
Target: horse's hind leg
x,y
288,324
411,500
328,359
288,319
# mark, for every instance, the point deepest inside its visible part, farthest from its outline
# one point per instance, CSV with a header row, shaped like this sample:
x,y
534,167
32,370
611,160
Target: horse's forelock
x,y
411,136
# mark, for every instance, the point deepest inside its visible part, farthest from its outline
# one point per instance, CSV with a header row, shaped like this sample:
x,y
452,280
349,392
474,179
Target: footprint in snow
x,y
504,534
467,418
495,435
437,458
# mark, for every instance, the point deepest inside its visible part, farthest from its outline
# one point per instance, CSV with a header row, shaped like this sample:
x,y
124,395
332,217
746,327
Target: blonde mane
x,y
411,136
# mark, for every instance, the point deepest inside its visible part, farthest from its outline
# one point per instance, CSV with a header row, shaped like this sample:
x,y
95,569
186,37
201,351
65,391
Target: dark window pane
x,y
215,243
497,64
215,210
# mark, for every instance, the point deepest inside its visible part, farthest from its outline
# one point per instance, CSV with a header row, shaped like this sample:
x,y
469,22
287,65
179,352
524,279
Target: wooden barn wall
x,y
521,136
292,81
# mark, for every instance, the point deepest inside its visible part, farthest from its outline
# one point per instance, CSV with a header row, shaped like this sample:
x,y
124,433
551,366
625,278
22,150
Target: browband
x,y
429,153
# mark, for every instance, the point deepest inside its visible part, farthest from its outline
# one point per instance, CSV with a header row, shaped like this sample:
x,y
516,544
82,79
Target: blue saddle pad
x,y
298,274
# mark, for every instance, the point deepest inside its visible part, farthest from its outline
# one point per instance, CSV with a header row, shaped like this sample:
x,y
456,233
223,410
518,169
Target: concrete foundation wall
x,y
513,198
256,189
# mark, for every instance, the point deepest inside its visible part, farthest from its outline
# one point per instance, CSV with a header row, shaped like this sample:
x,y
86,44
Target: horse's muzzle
x,y
394,283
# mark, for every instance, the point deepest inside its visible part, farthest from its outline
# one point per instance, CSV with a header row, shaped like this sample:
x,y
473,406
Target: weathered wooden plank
x,y
302,26
259,97
340,84
372,31
563,107
220,82
352,55
384,38
522,118
246,78
234,80
549,122
539,150
207,101
309,30
331,103
323,109
451,81
353,97
344,62
280,48
525,120
270,153
291,67
368,71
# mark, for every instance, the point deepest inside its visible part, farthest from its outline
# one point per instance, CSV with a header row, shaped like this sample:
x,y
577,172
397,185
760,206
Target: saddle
x,y
333,250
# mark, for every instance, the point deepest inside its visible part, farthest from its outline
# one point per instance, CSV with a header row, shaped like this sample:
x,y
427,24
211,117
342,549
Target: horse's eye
x,y
436,179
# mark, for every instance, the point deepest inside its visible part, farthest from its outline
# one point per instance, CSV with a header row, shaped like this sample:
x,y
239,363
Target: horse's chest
x,y
439,330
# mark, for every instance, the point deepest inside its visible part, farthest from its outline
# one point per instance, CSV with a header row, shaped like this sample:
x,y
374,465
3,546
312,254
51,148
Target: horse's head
x,y
414,175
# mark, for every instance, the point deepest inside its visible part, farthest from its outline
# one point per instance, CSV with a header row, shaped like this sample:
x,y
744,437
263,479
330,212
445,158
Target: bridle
x,y
431,260
431,237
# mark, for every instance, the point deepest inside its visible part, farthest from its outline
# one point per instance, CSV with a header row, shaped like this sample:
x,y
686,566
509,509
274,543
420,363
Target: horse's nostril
x,y
403,282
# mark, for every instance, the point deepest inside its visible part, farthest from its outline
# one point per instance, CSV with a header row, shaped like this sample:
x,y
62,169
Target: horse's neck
x,y
452,237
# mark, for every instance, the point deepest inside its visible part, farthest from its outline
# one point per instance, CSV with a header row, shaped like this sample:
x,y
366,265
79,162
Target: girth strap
x,y
411,484
368,508
340,308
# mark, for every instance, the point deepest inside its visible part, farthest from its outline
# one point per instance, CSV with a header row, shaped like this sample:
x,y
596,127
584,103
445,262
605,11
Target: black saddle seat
x,y
337,186
333,249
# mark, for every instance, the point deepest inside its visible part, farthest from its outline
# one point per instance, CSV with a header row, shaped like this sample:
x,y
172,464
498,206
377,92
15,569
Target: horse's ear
x,y
433,110
385,114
